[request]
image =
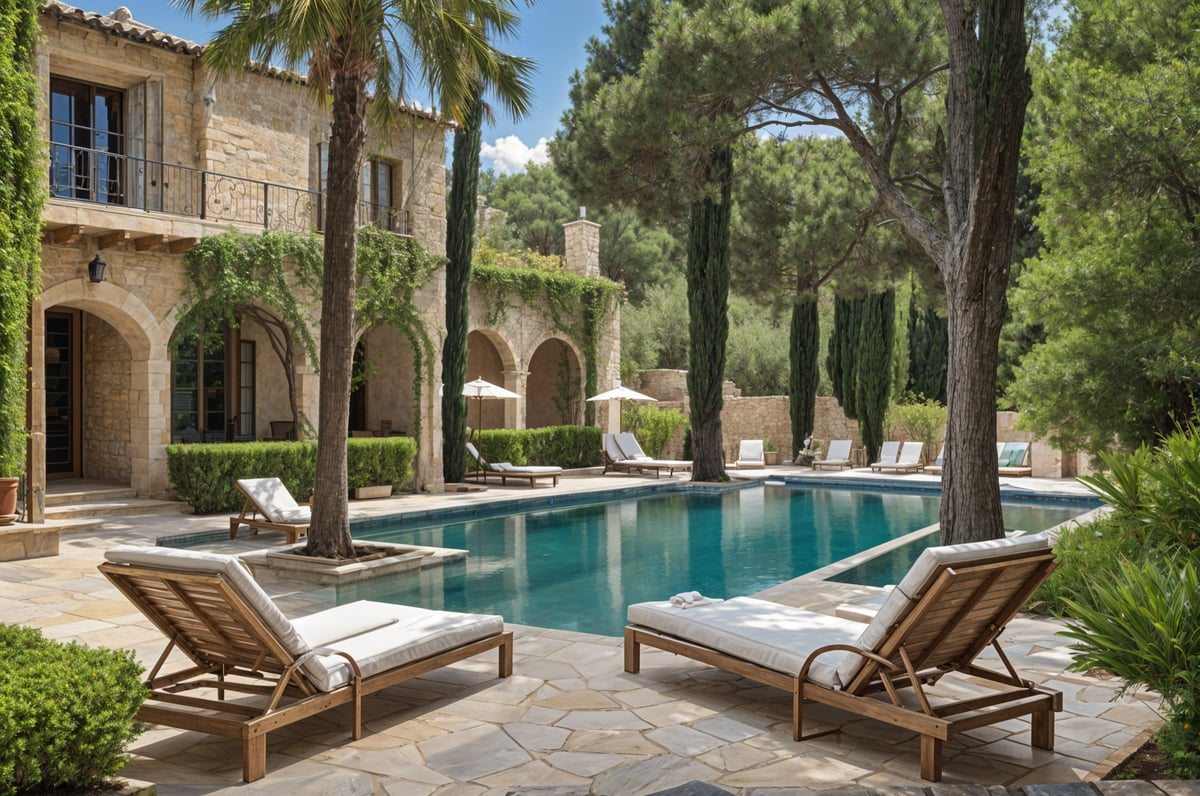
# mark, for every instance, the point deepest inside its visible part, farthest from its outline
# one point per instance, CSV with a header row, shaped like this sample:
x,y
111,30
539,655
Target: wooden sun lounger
x,y
504,471
838,456
953,604
280,511
239,642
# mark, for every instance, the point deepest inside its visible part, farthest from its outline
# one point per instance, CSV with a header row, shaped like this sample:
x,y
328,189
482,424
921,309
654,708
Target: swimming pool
x,y
577,568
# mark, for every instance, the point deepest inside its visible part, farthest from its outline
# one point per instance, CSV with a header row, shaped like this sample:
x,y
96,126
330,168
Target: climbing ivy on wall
x,y
22,196
275,279
390,271
574,305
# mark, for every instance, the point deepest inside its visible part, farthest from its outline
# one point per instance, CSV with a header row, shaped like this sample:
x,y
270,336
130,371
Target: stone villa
x,y
149,153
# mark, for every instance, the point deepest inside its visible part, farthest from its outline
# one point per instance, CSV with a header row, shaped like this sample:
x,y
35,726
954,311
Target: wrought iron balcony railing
x,y
94,175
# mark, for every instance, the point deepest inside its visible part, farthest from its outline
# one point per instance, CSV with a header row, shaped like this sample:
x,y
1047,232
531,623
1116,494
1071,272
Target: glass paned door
x,y
62,395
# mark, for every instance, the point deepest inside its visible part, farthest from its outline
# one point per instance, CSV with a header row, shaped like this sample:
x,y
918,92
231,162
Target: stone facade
x,y
195,156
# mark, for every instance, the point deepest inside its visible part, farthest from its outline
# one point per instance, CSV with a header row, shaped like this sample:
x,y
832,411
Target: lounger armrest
x,y
812,658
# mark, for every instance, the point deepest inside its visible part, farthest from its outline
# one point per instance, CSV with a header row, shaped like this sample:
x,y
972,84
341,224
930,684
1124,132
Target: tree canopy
x,y
1118,287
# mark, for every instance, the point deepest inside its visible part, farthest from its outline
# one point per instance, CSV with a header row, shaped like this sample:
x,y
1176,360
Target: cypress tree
x,y
843,351
873,366
708,315
804,374
22,195
928,341
460,245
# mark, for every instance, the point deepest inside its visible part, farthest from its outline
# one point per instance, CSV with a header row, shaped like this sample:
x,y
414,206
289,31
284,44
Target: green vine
x,y
22,197
559,297
391,270
235,275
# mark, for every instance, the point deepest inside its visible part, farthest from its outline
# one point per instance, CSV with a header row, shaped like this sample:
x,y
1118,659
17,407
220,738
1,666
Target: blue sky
x,y
552,33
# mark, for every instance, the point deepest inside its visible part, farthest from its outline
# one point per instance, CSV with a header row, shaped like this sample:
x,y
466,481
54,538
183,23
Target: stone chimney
x,y
582,238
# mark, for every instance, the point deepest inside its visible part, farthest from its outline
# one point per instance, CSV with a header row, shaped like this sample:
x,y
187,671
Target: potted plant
x,y
770,452
10,481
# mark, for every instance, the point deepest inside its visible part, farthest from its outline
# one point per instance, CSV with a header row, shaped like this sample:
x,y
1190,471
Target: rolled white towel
x,y
702,601
684,598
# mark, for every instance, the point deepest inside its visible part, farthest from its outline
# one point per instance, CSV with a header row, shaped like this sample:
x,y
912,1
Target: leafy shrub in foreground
x,y
1144,627
66,712
1086,553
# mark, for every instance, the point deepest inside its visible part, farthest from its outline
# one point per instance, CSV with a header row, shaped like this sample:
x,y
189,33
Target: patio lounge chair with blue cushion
x,y
636,457
952,605
237,641
887,455
1012,460
909,460
838,455
279,510
750,455
505,470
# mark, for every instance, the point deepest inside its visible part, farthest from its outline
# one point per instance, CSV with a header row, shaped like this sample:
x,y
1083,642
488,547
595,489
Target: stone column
x,y
582,242
515,410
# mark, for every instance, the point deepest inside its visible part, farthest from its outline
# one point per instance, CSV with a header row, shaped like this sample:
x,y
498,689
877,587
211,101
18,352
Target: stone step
x,y
115,507
89,494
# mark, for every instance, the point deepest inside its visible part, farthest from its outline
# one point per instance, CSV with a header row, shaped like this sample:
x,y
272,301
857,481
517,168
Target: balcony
x,y
123,183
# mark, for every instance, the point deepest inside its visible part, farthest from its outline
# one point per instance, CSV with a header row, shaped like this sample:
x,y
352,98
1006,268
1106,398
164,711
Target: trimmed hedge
x,y
204,475
66,712
565,446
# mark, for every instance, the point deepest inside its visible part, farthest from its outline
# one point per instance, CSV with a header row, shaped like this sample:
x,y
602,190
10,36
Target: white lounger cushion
x,y
776,636
780,637
917,580
275,501
529,469
402,634
379,636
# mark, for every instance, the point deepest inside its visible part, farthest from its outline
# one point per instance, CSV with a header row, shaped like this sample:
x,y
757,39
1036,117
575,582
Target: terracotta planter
x,y
8,500
771,457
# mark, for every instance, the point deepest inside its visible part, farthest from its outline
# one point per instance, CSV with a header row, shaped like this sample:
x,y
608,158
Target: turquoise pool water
x,y
577,568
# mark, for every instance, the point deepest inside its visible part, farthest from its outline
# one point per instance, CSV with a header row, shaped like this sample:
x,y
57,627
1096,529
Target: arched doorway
x,y
555,386
486,361
385,378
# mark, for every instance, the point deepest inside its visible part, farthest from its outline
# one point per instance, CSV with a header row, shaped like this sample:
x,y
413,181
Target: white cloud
x,y
510,155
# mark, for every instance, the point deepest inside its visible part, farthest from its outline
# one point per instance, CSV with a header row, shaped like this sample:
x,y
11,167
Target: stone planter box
x,y
371,492
389,560
22,541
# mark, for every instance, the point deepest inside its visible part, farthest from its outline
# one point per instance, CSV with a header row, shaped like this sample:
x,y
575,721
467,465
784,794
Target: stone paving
x,y
570,720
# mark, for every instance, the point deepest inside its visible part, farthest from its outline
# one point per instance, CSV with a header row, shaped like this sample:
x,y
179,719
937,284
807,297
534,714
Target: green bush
x,y
652,426
375,462
1156,488
1086,553
66,712
204,475
1143,627
565,446
919,421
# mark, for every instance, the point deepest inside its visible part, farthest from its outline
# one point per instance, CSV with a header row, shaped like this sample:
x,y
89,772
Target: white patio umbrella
x,y
480,389
614,397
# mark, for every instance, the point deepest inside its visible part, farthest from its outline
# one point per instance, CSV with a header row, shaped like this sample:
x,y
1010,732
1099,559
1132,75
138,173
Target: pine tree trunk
x,y
460,246
708,316
329,533
988,90
804,375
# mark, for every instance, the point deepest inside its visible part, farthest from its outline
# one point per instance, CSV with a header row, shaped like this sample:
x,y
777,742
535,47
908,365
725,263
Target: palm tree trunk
x,y
329,534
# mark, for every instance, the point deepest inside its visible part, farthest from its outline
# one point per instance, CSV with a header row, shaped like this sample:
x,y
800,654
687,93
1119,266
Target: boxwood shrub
x,y
565,446
66,712
204,475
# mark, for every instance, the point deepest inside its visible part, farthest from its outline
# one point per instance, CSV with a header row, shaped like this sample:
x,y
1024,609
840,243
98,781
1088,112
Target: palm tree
x,y
355,50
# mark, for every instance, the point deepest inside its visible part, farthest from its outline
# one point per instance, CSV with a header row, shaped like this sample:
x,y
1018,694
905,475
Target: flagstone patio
x,y
570,720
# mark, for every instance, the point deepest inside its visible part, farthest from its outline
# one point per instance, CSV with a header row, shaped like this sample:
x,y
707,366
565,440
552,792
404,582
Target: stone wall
x,y
106,404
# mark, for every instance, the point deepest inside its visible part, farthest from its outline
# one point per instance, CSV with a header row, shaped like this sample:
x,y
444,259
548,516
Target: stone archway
x,y
122,370
491,359
554,386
